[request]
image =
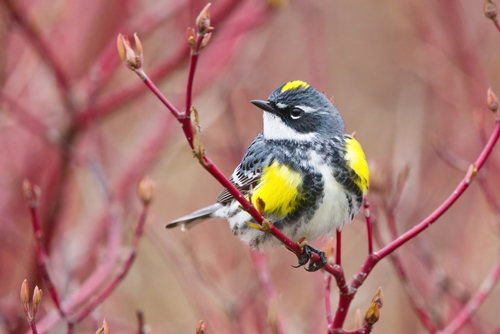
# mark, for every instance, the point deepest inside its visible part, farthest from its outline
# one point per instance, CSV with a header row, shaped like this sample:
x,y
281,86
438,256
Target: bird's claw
x,y
306,256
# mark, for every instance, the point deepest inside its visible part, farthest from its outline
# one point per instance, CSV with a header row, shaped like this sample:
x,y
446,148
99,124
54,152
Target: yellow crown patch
x,y
292,85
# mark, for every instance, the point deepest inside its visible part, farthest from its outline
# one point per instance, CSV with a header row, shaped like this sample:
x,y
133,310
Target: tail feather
x,y
196,217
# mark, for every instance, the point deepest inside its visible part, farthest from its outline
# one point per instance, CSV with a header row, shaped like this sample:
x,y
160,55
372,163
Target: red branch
x,y
347,292
328,306
112,101
338,249
335,270
33,326
369,231
372,260
40,250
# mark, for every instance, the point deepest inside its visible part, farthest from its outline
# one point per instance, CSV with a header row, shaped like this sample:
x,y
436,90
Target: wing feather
x,y
243,181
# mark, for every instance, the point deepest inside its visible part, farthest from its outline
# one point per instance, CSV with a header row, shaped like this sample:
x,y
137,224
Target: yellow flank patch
x,y
279,187
292,85
357,162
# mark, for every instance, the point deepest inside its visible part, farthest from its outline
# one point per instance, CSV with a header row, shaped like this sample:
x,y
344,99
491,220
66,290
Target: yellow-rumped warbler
x,y
311,176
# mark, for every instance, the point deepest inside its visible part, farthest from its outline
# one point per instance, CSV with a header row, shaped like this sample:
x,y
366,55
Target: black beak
x,y
264,105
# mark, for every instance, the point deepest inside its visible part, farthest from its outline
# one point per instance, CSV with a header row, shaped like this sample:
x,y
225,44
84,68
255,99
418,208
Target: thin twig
x,y
33,326
328,284
366,206
32,194
119,277
336,270
112,101
372,260
338,249
140,322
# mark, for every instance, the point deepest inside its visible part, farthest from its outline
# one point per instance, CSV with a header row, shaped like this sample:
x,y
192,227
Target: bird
x,y
309,174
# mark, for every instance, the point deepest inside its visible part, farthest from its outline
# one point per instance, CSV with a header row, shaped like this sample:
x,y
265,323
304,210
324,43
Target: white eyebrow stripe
x,y
281,105
307,109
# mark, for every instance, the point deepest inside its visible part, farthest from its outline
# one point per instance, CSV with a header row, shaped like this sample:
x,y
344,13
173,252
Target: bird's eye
x,y
296,113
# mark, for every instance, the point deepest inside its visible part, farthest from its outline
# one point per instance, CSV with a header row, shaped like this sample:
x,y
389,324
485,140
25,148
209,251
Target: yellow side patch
x,y
292,85
278,189
357,162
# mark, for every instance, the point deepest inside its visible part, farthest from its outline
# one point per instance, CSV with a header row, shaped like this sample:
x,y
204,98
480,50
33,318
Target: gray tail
x,y
196,217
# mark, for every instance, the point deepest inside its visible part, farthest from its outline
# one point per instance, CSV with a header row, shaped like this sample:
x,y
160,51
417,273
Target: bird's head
x,y
296,111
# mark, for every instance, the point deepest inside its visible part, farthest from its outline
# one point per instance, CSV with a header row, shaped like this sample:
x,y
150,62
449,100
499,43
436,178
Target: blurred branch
x,y
28,120
142,24
145,192
475,302
416,300
32,193
111,102
43,49
260,262
140,322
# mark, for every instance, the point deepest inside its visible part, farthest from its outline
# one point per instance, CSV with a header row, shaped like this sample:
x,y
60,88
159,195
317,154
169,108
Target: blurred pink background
x,y
409,77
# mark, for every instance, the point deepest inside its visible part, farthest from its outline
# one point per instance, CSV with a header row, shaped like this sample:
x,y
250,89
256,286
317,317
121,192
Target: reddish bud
x,y
105,327
25,297
372,315
471,174
132,59
191,37
203,21
37,297
206,39
491,100
146,190
490,10
379,298
31,193
201,328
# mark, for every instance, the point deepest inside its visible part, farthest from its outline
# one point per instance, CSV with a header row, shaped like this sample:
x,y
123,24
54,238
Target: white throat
x,y
276,129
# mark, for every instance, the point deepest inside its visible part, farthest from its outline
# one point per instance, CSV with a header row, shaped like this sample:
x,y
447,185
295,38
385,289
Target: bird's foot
x,y
306,257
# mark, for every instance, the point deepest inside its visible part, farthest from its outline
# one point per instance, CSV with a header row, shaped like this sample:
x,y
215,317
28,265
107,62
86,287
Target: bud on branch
x,y
490,10
133,60
372,315
201,328
37,297
25,297
491,100
203,21
146,190
31,193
